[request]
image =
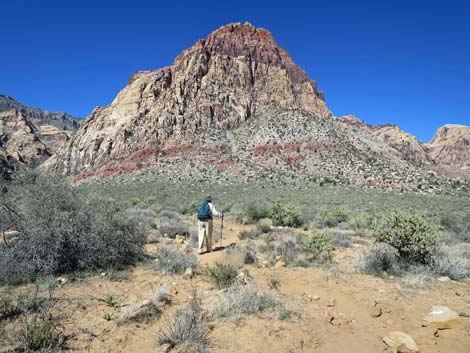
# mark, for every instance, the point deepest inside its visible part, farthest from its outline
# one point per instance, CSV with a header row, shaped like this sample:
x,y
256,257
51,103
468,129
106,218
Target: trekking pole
x,y
221,229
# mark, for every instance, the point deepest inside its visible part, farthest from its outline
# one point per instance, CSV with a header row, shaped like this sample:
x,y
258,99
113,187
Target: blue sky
x,y
401,62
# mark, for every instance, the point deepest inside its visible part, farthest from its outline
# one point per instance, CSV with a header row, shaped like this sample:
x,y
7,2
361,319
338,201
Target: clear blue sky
x,y
402,62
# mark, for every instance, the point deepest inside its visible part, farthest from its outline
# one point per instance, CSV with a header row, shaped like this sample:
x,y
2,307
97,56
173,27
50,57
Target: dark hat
x,y
209,199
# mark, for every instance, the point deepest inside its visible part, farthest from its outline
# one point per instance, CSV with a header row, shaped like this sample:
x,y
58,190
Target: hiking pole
x,y
221,229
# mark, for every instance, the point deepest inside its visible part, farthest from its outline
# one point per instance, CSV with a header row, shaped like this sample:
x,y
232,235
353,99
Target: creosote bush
x,y
411,235
62,230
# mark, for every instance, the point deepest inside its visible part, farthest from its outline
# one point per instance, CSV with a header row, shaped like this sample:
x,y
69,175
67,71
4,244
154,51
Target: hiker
x,y
205,212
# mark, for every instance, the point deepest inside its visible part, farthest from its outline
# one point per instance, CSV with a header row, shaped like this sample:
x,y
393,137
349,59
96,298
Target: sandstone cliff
x,y
28,135
450,146
220,82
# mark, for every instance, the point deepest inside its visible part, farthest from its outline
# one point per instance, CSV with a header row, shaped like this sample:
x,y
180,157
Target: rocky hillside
x,y
448,151
234,106
28,136
450,147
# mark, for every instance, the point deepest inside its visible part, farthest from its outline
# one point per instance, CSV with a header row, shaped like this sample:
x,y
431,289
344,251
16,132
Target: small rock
x,y
62,280
375,311
443,279
396,339
188,274
180,239
460,293
316,297
332,302
329,316
441,317
103,274
280,264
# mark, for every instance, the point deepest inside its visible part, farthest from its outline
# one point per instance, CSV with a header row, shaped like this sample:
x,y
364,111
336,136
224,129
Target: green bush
x,y
253,212
264,225
332,218
411,235
223,275
318,246
287,216
63,230
41,333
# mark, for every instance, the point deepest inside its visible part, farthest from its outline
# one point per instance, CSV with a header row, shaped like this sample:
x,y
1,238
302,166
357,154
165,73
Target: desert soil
x,y
308,291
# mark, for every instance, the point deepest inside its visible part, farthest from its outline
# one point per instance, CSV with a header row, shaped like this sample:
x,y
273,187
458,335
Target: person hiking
x,y
205,225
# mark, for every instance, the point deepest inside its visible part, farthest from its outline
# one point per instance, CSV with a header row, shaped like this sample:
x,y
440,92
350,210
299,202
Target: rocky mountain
x,y
450,147
233,107
28,136
448,151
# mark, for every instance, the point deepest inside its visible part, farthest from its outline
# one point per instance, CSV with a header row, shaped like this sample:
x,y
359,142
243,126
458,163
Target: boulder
x,y
398,339
441,317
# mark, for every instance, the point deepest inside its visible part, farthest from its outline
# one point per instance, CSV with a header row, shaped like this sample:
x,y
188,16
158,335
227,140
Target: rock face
x,y
28,136
451,146
218,83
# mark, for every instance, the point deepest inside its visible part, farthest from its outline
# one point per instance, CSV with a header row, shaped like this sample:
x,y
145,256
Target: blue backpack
x,y
203,211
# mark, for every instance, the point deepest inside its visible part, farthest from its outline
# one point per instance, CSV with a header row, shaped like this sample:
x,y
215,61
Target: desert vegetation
x,y
136,254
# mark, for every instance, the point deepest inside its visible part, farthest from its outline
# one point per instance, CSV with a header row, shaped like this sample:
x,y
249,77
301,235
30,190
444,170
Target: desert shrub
x,y
381,258
249,234
169,260
222,274
161,295
360,221
332,218
133,313
318,246
412,236
248,254
62,230
252,213
264,225
13,304
451,261
288,215
288,246
41,333
172,231
340,240
242,301
457,223
188,330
